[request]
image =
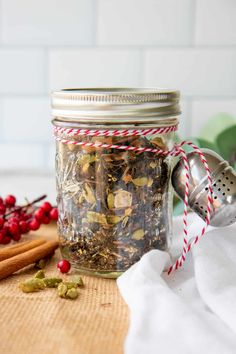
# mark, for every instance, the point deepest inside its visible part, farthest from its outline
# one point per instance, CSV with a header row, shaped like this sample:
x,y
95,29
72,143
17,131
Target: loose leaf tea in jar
x,y
113,175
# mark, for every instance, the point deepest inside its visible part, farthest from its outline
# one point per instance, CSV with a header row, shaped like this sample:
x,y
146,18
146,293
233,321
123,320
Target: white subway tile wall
x,y
22,70
47,22
193,71
145,22
22,116
51,44
94,67
217,22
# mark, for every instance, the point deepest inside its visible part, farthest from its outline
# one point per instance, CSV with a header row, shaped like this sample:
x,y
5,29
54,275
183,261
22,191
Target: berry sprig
x,y
18,220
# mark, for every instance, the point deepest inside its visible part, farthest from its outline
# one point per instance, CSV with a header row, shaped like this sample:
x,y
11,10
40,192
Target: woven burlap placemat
x,y
43,323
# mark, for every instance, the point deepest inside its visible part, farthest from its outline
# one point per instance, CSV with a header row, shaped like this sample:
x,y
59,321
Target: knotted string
x,y
64,135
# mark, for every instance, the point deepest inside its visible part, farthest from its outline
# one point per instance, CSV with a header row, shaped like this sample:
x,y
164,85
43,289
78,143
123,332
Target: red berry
x,y
2,209
1,200
27,216
24,228
63,266
46,206
34,225
1,222
39,214
6,240
21,215
13,228
10,200
16,215
2,235
46,220
12,220
54,214
16,237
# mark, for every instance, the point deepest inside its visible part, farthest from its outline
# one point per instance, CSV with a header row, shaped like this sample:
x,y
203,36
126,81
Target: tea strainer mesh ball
x,y
223,210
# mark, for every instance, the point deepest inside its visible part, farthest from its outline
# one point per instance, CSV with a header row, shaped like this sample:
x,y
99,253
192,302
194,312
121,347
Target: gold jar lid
x,y
117,106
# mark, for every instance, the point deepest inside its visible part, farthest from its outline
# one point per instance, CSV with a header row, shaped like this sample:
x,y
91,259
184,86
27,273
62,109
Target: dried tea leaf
x,y
123,199
86,160
140,181
127,178
138,234
159,143
111,178
71,147
102,139
110,201
125,220
128,212
89,194
92,216
150,182
153,164
114,219
88,149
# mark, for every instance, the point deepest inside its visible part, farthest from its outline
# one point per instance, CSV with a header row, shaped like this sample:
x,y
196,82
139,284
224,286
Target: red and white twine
x,y
120,132
62,134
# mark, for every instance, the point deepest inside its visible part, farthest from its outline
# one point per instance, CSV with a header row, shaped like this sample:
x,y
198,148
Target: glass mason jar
x,y
115,204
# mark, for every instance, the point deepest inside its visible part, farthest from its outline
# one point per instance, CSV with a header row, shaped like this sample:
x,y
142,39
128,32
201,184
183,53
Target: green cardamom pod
x,y
62,290
32,285
70,284
78,280
40,274
41,264
52,282
72,294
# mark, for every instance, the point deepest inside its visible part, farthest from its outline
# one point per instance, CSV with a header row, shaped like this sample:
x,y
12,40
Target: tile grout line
x,y
1,24
1,98
46,156
142,68
95,23
190,120
46,70
194,25
1,121
24,46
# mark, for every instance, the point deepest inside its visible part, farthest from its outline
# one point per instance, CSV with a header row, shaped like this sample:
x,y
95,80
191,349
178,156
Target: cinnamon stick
x,y
13,264
11,251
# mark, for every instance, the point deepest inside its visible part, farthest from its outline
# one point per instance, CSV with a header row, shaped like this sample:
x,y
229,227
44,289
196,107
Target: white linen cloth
x,y
193,310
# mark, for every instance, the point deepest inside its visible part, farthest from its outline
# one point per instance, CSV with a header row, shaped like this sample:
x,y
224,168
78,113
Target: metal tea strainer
x,y
223,210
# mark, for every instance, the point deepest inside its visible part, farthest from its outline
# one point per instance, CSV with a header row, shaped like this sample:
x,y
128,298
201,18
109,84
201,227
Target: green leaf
x,y
177,138
215,125
201,143
208,145
179,208
226,142
175,199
